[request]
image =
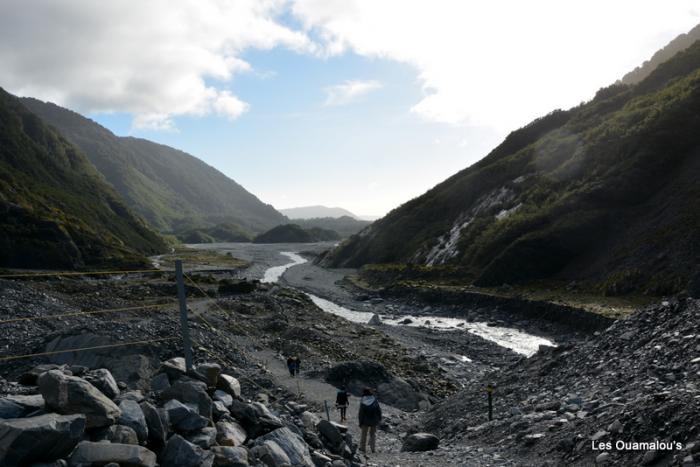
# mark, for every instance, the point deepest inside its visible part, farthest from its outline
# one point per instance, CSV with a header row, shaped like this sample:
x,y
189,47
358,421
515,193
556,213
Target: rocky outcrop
x,y
73,395
37,439
420,442
88,454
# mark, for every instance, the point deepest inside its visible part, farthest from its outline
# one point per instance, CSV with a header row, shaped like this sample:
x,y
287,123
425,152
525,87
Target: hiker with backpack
x,y
342,401
369,417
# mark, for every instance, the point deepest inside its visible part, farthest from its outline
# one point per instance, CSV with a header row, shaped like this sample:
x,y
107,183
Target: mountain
x,y
291,233
605,193
678,44
345,226
171,189
220,233
56,211
312,212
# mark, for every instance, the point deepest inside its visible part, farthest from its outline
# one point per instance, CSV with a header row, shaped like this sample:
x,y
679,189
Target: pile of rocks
x,y
638,381
83,417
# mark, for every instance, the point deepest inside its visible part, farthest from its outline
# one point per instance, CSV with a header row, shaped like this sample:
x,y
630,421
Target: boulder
x,y
36,439
133,417
310,420
157,426
10,409
181,453
119,434
128,455
375,320
271,454
418,442
174,368
210,373
160,382
255,418
205,438
320,460
293,446
226,456
184,419
103,380
223,397
190,392
219,410
30,377
73,395
230,385
31,403
330,432
357,375
230,433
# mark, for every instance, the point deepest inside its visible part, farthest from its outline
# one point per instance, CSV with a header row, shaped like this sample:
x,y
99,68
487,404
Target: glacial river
x,y
513,339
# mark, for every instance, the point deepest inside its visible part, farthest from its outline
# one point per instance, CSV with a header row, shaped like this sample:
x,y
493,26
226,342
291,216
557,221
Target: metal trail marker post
x,y
186,343
328,412
489,392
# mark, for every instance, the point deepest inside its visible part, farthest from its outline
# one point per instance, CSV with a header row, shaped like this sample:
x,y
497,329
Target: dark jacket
x,y
341,398
370,411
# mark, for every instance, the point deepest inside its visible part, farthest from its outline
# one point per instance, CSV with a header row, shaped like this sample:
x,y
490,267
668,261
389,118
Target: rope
x,y
76,273
81,313
43,354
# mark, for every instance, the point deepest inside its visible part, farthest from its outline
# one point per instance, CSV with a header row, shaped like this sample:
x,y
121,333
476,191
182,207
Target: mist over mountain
x,y
55,209
171,189
311,212
605,193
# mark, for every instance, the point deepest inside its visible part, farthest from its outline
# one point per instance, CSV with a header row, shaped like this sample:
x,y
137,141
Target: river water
x,y
510,338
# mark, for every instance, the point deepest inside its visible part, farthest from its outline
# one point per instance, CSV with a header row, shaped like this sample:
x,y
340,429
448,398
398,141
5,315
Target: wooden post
x,y
489,392
186,343
328,412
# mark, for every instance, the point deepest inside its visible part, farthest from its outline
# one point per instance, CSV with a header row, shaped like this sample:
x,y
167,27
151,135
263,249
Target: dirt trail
x,y
314,392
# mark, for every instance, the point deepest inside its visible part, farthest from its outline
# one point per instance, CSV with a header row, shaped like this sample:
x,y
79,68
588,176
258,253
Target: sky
x,y
362,104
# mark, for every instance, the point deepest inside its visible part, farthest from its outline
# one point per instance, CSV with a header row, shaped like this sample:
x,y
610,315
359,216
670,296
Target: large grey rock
x,y
230,433
219,410
271,454
256,418
30,377
291,444
420,442
357,375
190,392
119,434
226,456
133,417
205,438
330,432
375,320
223,397
43,438
184,419
73,395
320,460
230,385
31,403
103,380
127,455
181,453
160,382
174,368
157,427
10,409
210,373
310,420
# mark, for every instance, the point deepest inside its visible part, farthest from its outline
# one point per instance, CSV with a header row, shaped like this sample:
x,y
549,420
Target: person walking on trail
x,y
369,417
297,365
342,400
291,366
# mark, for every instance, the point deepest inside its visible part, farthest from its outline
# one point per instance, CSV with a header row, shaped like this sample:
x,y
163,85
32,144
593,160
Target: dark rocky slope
x,y
605,193
56,211
171,189
292,233
637,381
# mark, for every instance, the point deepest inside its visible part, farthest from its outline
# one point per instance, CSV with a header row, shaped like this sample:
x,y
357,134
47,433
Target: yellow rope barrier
x,y
78,273
80,313
97,347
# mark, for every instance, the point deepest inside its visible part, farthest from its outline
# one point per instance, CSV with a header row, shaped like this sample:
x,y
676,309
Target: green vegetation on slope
x,y
606,192
292,233
56,211
171,189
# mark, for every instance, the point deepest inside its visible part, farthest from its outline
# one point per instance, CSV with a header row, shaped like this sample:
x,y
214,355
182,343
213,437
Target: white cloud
x,y
349,91
156,60
499,64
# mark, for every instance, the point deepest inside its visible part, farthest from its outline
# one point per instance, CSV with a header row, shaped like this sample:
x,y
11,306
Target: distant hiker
x,y
291,366
297,365
370,415
341,402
